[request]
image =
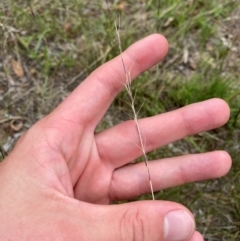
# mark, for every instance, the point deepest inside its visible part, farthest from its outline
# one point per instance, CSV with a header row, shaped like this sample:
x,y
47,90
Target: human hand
x,y
58,181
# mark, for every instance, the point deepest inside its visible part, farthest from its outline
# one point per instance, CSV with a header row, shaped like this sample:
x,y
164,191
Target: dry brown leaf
x,y
192,63
67,27
17,68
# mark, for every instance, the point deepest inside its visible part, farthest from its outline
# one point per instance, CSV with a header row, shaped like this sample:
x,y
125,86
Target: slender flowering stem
x,y
128,87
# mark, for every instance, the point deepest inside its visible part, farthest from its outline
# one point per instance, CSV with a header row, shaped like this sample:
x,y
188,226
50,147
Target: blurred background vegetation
x,y
48,47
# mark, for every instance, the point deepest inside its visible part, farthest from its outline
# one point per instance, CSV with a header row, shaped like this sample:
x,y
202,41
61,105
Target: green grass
x,y
60,42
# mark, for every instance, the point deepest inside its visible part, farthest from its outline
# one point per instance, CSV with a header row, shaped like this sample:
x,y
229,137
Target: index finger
x,y
90,100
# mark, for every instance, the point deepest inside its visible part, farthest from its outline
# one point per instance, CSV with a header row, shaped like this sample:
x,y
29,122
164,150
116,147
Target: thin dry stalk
x,y
128,88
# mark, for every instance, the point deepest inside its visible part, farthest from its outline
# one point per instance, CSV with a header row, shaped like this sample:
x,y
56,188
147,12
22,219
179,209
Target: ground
x,y
49,47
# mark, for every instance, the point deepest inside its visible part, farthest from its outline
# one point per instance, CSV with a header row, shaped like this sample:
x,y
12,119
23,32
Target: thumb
x,y
147,220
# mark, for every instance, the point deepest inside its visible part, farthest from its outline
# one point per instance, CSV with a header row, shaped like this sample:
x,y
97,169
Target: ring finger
x,y
132,180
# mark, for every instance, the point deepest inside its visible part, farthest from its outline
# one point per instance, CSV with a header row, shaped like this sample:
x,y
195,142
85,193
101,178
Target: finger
x,y
132,180
90,100
120,145
155,221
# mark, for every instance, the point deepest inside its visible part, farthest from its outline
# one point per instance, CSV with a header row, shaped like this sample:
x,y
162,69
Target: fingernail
x,y
178,226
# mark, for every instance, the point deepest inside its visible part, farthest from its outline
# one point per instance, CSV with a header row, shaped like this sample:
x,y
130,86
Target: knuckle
x,y
133,225
186,124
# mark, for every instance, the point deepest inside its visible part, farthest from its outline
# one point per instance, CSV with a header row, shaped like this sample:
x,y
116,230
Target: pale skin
x,y
60,178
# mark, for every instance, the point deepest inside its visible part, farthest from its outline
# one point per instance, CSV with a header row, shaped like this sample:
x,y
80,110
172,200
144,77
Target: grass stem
x,y
131,97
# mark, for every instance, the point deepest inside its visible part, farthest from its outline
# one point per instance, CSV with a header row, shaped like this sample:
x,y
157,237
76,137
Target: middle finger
x,y
120,145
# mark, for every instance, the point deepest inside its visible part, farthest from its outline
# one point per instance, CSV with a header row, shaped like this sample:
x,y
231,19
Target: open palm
x,y
63,170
